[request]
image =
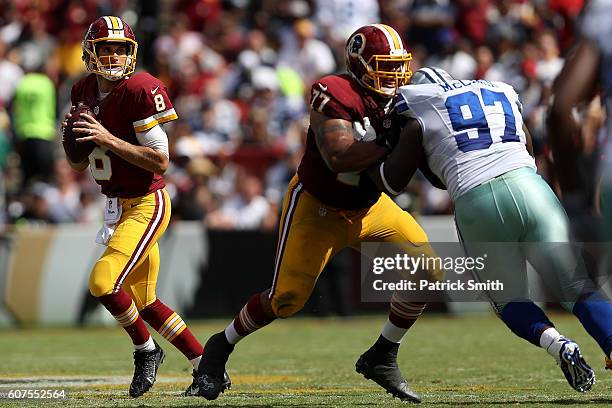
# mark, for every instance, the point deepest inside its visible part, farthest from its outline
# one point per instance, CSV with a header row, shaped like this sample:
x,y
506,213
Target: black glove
x,y
390,134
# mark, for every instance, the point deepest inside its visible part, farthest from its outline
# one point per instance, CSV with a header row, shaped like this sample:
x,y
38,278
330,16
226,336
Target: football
x,y
76,152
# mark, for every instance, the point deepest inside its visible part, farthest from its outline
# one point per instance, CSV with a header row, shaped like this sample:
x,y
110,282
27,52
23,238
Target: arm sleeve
x,y
155,138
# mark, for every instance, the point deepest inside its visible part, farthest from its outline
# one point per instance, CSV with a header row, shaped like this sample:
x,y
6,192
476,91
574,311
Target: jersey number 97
x,y
466,113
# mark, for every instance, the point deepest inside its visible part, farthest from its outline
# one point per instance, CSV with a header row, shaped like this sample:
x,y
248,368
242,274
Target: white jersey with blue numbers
x,y
472,130
596,25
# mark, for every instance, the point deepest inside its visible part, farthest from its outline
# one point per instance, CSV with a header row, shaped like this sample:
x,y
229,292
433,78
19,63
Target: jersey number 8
x,y
160,105
100,164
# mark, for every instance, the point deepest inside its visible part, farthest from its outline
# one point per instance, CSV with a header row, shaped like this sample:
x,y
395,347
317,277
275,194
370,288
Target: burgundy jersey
x,y
136,104
341,97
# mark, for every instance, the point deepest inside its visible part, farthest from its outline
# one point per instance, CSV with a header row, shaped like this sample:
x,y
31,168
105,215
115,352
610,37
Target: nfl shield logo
x,y
97,110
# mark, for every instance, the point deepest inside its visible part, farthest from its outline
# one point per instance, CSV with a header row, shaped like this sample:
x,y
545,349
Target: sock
x,y
147,346
170,325
402,315
549,342
393,333
526,320
123,309
195,362
231,334
251,318
595,313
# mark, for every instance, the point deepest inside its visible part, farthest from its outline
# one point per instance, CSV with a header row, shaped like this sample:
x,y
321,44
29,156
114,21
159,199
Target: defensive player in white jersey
x,y
472,137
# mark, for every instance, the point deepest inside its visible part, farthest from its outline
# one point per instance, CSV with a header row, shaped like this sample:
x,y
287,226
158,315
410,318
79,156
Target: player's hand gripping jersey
x,y
472,130
341,97
136,104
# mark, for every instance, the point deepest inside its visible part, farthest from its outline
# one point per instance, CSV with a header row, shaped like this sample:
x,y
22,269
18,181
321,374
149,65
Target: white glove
x,y
364,132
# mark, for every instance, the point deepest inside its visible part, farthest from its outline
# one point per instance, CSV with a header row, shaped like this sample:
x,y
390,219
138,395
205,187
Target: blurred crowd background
x,y
239,74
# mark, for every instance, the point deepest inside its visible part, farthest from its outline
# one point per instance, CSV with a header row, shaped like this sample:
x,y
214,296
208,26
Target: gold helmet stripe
x,y
397,40
114,22
115,27
393,45
117,23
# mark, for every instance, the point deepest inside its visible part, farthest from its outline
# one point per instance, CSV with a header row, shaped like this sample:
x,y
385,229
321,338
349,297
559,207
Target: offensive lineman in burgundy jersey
x,y
130,156
329,205
341,96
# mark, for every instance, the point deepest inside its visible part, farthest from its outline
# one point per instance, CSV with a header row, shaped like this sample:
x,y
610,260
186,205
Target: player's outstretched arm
x,y
148,158
576,84
341,152
394,174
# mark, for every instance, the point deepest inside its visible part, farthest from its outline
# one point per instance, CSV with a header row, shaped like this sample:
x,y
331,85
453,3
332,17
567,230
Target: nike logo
x,y
154,90
323,87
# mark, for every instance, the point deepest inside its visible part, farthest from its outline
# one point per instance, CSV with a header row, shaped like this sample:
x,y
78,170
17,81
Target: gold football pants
x,y
131,260
310,233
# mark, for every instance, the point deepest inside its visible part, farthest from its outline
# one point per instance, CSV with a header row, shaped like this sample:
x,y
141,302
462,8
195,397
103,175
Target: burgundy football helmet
x,y
115,30
376,57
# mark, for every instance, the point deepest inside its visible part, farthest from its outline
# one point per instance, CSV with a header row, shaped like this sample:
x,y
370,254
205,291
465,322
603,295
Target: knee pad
x,y
100,281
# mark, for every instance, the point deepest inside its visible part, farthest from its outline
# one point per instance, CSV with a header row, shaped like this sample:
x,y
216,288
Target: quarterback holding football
x,y
119,113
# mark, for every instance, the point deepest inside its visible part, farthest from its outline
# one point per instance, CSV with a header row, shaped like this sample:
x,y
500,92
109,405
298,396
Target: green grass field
x,y
462,361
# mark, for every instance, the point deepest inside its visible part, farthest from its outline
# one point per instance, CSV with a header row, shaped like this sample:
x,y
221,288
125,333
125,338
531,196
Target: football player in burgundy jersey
x,y
330,205
128,162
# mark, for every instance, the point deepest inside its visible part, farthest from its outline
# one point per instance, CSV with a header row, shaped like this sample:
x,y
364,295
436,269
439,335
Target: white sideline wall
x,y
44,271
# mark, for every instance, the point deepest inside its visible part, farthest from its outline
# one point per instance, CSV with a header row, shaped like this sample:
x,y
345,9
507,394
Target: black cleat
x,y
194,389
211,377
383,370
146,364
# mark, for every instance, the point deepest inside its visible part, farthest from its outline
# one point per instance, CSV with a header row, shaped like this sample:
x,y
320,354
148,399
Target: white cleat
x,y
578,373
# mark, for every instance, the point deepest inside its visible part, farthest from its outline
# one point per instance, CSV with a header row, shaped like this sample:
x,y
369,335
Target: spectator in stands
x,y
339,18
34,121
472,22
10,73
303,52
240,72
194,198
37,45
63,196
550,62
246,209
432,23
